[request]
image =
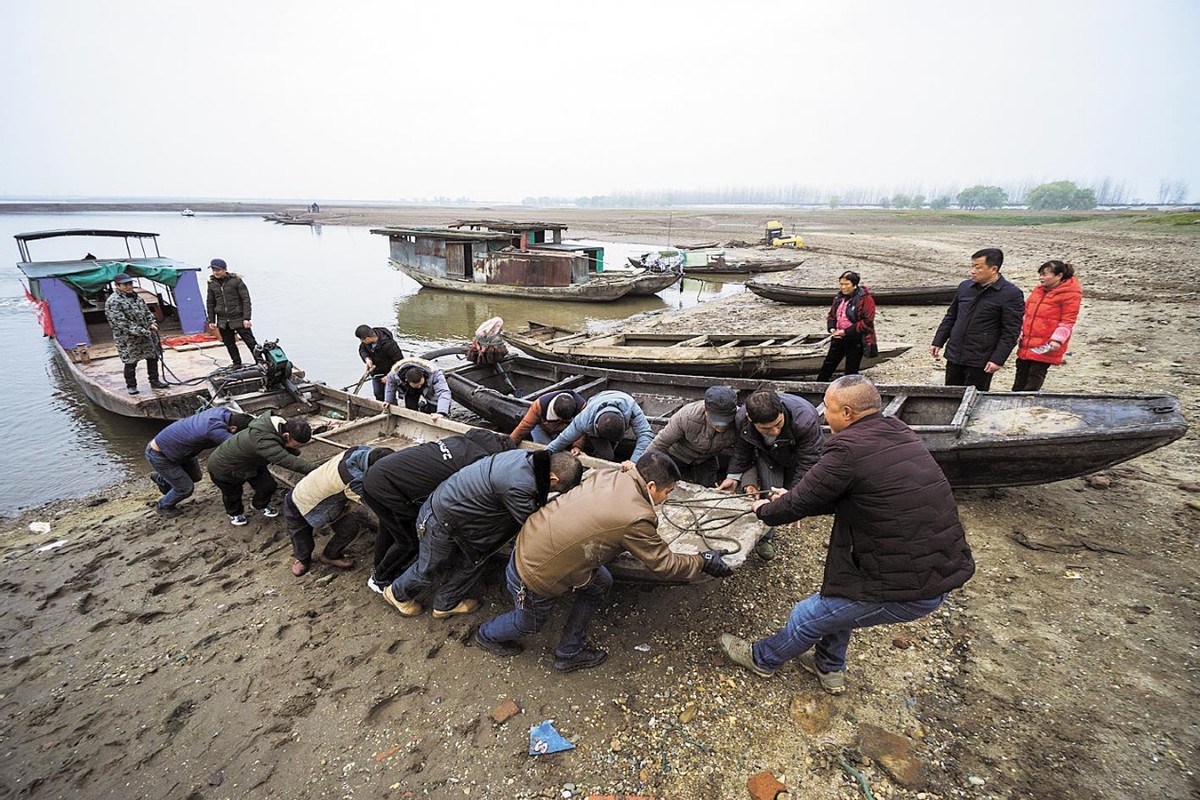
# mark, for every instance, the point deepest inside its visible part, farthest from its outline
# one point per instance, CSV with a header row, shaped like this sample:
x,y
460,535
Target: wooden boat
x,y
704,263
884,295
510,259
739,268
747,356
649,282
341,420
980,439
69,298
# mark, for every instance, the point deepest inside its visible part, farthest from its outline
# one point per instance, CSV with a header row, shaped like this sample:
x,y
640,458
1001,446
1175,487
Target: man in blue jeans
x,y
562,549
172,454
897,547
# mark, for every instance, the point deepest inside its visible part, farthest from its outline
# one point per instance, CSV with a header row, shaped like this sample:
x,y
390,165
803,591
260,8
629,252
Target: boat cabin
x,y
488,257
71,292
536,236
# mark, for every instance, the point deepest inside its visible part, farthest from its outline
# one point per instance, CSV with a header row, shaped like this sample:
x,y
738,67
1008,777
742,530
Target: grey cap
x,y
122,277
721,404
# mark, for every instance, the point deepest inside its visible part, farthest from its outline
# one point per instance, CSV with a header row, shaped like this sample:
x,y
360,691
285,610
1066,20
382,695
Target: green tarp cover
x,y
96,279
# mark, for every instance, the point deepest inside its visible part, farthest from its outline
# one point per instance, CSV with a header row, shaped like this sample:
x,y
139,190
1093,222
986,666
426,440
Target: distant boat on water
x,y
187,212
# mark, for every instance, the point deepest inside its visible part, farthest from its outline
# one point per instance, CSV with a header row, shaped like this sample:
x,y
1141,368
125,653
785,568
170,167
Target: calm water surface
x,y
310,286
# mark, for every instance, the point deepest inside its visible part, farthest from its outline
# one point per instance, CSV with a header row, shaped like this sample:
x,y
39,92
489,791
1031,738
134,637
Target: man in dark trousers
x,y
379,352
563,547
982,325
229,309
135,332
396,486
778,440
173,453
469,517
245,458
897,547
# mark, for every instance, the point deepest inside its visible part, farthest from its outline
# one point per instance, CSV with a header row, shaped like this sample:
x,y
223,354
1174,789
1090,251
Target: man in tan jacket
x,y
562,548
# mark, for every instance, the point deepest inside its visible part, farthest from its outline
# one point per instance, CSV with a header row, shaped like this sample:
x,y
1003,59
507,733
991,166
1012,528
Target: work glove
x,y
714,564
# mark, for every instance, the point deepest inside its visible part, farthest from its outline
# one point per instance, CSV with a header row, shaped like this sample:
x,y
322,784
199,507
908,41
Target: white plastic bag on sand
x,y
39,527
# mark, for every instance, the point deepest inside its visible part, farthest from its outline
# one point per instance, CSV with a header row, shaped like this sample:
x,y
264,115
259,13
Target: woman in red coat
x,y
1050,314
851,325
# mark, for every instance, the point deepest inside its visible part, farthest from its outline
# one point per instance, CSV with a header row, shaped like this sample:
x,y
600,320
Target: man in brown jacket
x,y
562,548
897,547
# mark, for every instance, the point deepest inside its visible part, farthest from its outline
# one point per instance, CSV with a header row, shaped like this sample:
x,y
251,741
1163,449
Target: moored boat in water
x,y
884,295
692,520
746,356
980,439
69,296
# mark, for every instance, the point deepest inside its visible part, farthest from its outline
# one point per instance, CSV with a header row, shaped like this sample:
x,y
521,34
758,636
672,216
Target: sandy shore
x,y
182,659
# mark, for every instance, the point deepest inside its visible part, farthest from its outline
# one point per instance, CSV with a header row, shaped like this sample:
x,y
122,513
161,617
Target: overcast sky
x,y
502,100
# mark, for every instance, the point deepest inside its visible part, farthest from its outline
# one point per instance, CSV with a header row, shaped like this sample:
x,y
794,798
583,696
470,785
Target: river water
x,y
310,286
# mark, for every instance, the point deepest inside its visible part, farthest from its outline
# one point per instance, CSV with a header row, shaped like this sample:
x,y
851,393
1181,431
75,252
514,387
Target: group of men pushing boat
x,y
445,507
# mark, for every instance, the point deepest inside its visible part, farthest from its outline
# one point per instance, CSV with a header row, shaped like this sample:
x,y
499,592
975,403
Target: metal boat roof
x,y
445,233
34,235
509,225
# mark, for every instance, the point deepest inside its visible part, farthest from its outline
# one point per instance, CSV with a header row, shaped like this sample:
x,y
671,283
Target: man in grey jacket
x,y
469,517
700,437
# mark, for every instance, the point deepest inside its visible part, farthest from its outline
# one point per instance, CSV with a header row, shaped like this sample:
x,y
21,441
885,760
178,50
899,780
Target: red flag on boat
x,y
42,309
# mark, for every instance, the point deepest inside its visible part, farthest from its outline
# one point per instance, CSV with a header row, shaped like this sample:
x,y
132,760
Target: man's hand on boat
x,y
627,465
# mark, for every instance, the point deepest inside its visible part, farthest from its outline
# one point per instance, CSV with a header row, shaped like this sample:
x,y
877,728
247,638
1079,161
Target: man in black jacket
x,y
778,440
396,486
229,309
897,547
379,351
470,516
982,325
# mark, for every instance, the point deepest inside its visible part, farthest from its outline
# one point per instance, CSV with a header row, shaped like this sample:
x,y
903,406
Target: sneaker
x,y
584,659
375,587
159,385
270,512
741,653
132,389
168,512
832,682
464,607
407,608
237,519
502,649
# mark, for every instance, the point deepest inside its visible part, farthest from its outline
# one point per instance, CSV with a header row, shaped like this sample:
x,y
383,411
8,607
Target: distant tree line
x,y
1056,195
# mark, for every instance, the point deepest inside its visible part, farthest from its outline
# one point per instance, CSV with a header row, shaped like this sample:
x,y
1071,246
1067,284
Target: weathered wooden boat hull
x,y
980,440
150,405
884,295
592,291
649,283
754,356
740,269
359,420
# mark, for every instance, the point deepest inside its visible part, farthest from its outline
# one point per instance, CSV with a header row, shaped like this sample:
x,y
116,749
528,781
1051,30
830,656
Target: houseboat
x,y
514,259
69,296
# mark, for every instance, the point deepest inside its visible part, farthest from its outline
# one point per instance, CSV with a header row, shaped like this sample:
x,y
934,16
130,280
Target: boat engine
x,y
271,372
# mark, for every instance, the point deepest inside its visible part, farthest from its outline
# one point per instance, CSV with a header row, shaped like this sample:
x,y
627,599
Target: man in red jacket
x,y
897,547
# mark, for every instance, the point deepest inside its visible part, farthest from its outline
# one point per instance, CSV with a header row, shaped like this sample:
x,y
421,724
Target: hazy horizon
x,y
393,102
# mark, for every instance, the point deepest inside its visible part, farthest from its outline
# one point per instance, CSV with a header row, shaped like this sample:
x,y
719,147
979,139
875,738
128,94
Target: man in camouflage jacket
x,y
135,332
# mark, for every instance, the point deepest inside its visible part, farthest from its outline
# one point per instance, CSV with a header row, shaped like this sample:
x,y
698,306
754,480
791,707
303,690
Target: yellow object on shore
x,y
775,236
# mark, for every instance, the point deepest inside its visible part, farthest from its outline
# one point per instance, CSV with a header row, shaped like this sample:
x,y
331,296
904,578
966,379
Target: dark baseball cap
x,y
721,404
122,277
217,263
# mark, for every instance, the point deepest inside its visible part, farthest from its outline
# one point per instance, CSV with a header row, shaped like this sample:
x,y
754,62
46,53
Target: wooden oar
x,y
357,386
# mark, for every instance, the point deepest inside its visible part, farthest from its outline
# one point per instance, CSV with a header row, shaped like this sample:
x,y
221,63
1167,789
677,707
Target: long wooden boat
x,y
745,356
692,520
884,295
740,268
980,439
69,298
